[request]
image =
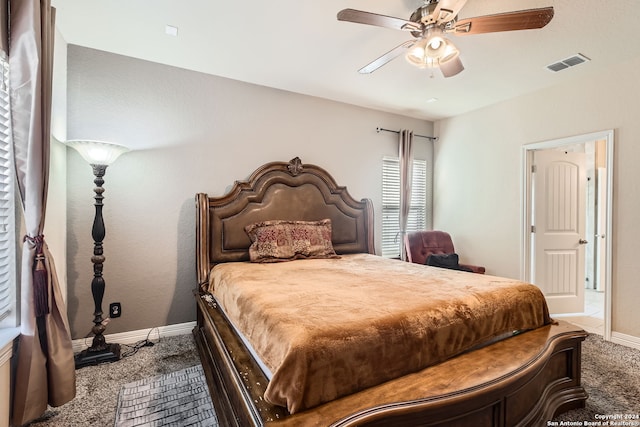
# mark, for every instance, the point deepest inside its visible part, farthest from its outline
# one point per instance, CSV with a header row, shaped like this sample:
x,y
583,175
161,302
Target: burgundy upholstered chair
x,y
421,244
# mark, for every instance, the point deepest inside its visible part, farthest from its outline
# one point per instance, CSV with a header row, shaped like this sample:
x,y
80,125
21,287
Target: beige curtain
x,y
405,154
45,371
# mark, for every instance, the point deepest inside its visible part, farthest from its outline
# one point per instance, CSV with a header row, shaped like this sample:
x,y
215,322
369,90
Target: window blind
x,y
391,239
7,213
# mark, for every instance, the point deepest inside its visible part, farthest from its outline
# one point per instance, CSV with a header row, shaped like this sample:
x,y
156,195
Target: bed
x,y
341,337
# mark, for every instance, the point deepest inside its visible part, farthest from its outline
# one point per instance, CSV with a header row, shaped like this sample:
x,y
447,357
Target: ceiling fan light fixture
x,y
432,50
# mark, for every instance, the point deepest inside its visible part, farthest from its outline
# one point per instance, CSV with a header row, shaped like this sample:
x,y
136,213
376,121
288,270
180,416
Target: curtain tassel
x,y
40,291
40,285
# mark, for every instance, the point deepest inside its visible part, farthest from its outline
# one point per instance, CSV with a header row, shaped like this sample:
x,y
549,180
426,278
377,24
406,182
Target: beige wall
x,y
478,174
194,133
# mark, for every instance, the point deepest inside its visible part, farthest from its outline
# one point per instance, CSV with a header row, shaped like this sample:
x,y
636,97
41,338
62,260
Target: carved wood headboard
x,y
278,190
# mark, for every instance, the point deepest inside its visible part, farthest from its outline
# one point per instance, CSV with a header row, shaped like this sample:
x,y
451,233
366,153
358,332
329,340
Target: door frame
x,y
526,220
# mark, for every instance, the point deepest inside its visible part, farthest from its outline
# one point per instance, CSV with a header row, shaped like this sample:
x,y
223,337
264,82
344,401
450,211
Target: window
x,y
391,239
7,206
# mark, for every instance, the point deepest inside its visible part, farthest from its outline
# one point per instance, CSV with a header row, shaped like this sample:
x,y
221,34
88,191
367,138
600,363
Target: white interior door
x,y
559,216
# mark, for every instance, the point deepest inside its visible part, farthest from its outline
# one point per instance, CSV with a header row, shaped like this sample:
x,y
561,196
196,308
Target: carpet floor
x,y
610,374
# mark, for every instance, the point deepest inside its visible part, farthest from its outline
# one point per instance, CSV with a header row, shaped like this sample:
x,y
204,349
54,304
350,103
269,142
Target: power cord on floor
x,y
133,349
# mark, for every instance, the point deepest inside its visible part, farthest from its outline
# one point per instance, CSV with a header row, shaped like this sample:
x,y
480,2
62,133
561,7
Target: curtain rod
x,y
432,138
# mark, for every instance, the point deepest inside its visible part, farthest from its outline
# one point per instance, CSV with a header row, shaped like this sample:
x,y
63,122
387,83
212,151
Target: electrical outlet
x,y
115,310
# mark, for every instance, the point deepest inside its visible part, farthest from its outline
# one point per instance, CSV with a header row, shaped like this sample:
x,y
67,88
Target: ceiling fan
x,y
430,22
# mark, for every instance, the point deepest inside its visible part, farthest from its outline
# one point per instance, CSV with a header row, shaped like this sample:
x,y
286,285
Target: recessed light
x,y
171,30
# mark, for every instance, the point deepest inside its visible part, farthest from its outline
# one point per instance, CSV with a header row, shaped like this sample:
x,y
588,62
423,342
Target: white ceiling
x,y
299,46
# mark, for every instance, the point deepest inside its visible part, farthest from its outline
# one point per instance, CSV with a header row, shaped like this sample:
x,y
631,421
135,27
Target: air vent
x,y
568,62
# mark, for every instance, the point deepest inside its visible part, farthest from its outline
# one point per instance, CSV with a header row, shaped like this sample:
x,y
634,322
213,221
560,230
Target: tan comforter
x,y
328,328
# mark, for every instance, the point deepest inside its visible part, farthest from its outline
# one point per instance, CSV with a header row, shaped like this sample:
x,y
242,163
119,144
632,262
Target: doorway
x,y
566,226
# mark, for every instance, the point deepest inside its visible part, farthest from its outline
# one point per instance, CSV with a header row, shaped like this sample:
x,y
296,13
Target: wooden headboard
x,y
278,190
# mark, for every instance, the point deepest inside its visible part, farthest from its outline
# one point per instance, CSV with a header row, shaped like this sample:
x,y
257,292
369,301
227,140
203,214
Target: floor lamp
x,y
99,155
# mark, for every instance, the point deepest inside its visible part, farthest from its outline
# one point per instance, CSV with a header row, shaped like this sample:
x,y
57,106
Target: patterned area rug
x,y
177,399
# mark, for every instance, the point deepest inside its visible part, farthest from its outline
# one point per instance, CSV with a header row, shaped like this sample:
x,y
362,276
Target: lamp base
x,y
89,357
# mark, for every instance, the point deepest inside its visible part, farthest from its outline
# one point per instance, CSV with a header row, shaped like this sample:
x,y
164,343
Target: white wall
x,y
478,173
193,133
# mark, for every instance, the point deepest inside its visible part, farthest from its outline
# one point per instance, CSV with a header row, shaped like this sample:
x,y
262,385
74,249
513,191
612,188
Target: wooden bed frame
x,y
523,380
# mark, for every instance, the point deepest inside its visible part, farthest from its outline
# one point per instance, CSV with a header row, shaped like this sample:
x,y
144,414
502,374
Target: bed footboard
x,y
522,381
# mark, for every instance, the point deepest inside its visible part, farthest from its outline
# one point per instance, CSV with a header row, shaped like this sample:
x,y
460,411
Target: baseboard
x,y
133,337
626,340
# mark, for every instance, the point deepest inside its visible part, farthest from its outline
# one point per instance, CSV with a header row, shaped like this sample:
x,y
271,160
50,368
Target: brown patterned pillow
x,y
283,240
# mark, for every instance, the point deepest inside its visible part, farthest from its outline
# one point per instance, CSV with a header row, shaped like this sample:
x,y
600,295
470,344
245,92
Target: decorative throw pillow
x,y
445,261
284,240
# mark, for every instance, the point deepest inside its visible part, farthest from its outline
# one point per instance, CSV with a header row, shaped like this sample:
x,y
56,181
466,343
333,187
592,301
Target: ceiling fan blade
x,y
509,21
362,17
387,57
446,10
452,67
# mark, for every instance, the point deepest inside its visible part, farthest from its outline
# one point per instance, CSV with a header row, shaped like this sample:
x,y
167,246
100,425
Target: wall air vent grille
x,y
568,62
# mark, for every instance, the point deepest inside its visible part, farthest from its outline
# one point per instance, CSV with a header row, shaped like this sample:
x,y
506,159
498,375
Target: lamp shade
x,y
98,152
416,55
